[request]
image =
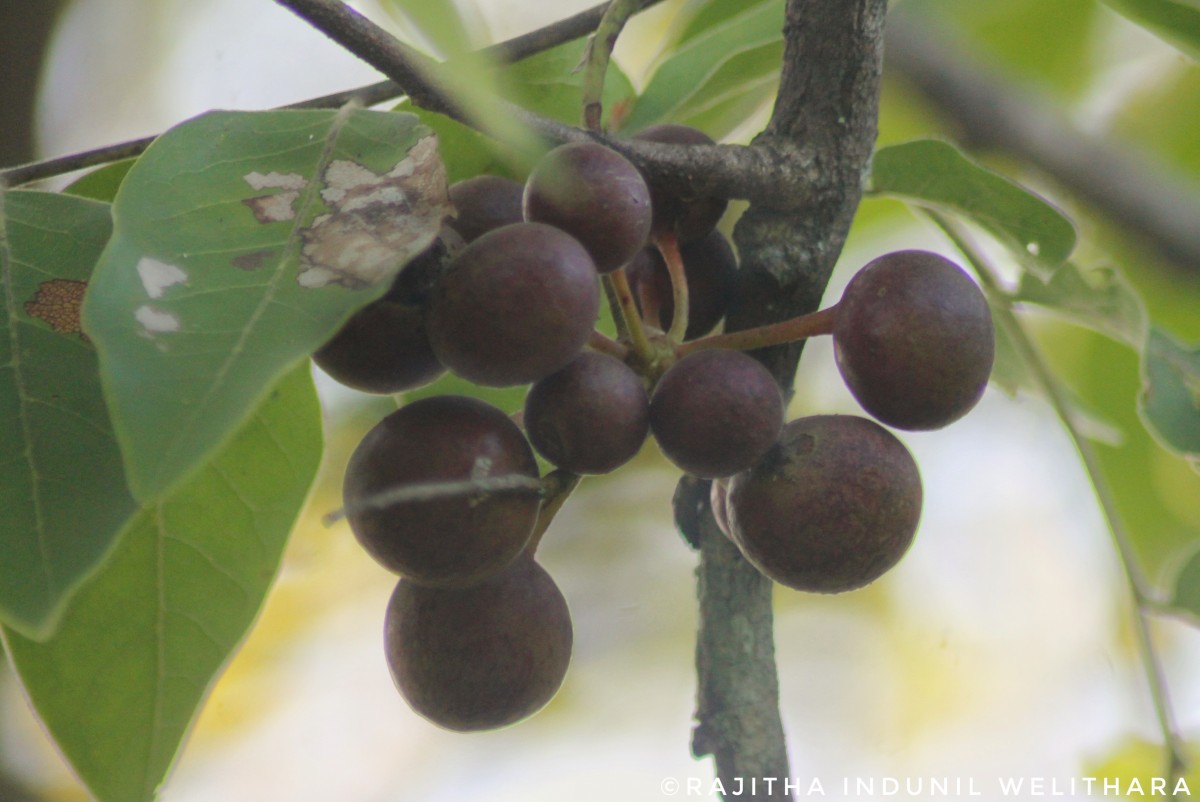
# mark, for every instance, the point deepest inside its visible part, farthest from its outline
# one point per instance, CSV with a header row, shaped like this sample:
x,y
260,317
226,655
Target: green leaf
x,y
1009,370
442,25
1185,597
546,84
551,84
465,152
1170,397
122,679
1176,21
1100,298
686,77
241,242
710,14
102,183
61,487
934,173
740,87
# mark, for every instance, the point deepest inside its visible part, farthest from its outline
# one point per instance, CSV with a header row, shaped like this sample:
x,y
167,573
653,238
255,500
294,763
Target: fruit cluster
x,y
446,491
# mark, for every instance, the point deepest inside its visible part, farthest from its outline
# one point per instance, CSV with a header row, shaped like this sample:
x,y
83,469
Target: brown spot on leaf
x,y
376,223
58,303
277,208
251,261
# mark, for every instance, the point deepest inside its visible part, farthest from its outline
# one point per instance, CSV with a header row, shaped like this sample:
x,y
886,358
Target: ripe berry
x,y
914,340
710,268
594,194
383,348
446,541
485,203
481,657
689,218
513,306
831,507
715,412
590,417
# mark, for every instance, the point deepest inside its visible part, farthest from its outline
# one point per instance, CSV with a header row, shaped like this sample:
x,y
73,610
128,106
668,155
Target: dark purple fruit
x,y
914,340
829,508
482,657
710,267
718,500
485,203
590,417
451,540
383,348
514,306
594,194
690,218
715,412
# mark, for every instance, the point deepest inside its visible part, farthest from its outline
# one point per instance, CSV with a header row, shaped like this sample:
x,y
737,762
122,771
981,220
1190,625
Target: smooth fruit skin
x,y
590,417
830,508
448,541
914,340
715,412
710,267
482,657
594,194
485,203
515,305
383,348
688,218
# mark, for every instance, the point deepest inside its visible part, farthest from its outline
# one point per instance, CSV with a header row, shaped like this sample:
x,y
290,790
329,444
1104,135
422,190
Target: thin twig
x,y
668,246
434,491
788,331
509,51
597,341
618,290
1143,595
599,51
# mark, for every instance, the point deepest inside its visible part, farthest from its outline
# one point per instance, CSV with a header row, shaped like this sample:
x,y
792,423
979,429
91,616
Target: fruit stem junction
x,y
797,328
668,246
626,310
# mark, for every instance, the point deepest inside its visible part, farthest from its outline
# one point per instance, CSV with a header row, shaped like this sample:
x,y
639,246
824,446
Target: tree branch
x,y
768,174
990,113
823,127
506,52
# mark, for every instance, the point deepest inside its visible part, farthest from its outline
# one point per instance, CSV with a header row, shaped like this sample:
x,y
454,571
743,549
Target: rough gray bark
x,y
823,128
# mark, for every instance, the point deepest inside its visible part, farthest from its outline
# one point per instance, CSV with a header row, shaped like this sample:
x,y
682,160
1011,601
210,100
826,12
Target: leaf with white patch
x,y
61,488
242,241
123,677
